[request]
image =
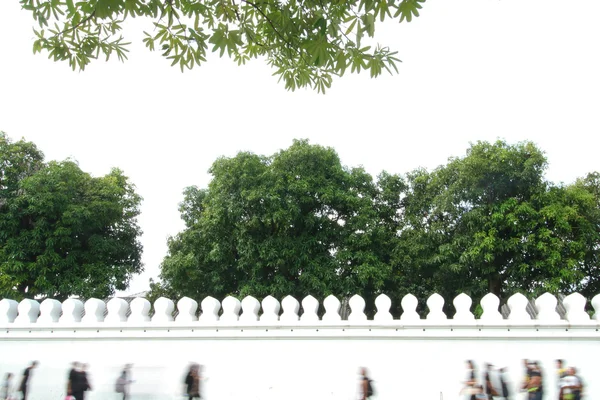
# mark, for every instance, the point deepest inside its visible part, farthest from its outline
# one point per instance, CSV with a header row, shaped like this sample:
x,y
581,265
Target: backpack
x,y
370,391
120,386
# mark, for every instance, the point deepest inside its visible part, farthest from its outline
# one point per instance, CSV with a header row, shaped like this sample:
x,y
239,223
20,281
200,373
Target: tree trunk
x,y
495,285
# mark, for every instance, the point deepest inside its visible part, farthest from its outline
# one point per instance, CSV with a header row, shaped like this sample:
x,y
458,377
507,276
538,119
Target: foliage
x,y
63,232
297,222
300,223
489,222
306,42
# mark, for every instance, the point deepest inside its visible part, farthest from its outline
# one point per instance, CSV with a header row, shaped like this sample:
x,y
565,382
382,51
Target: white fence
x,y
266,350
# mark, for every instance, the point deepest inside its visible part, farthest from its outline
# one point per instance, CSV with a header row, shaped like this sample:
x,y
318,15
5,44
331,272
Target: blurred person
x,y
471,373
527,376
78,381
490,391
24,386
536,382
71,377
365,386
192,382
123,382
561,372
470,381
569,385
538,368
503,384
579,390
6,391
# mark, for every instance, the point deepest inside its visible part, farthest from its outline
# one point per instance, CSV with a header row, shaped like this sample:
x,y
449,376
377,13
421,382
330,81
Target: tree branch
x,y
257,8
83,21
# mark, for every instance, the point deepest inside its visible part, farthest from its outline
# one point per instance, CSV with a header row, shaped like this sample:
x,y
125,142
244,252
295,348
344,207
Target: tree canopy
x,y
299,222
294,223
306,42
489,222
62,231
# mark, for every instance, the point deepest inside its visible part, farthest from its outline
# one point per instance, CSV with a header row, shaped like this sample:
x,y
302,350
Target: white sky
x,y
472,70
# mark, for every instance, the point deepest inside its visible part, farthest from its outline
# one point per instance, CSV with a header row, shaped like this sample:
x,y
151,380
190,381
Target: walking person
x,y
471,373
469,391
123,382
490,391
77,381
192,382
570,386
579,389
535,387
365,386
23,388
72,377
6,391
503,384
561,372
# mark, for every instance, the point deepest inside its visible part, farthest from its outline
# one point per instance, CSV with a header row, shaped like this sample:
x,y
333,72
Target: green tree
x,y
489,222
300,223
582,210
296,223
306,42
63,232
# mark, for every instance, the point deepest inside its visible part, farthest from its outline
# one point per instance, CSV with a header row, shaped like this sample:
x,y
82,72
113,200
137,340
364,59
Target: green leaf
x,y
408,8
321,23
242,30
351,27
70,6
369,23
37,46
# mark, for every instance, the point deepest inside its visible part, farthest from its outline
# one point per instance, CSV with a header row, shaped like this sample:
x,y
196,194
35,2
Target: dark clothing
x,y
539,392
72,374
25,379
24,382
78,383
188,382
504,387
72,378
192,382
366,394
78,395
125,377
488,384
535,373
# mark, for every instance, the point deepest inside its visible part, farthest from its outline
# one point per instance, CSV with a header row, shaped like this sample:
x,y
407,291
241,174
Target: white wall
x,y
293,360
